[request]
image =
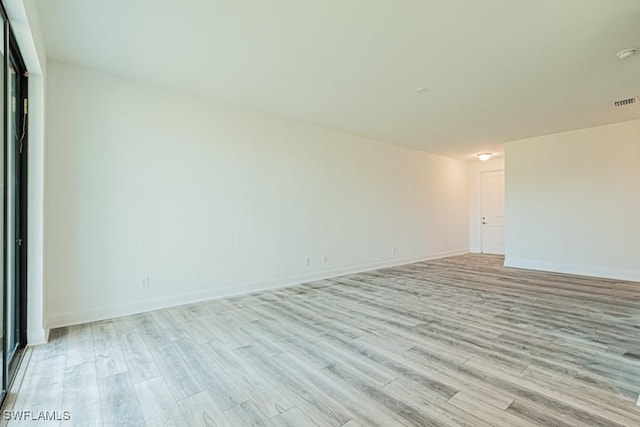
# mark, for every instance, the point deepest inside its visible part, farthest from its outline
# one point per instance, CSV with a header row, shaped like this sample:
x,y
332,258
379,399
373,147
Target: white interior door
x,y
493,212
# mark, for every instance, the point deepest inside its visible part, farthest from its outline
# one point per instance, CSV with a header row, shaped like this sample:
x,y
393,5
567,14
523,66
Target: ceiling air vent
x,y
625,102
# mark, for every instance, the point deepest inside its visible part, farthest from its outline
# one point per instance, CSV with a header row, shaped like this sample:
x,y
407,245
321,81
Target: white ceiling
x,y
496,70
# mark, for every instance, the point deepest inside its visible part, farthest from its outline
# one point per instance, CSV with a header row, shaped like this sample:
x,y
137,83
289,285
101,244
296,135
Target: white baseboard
x,y
37,336
102,313
572,268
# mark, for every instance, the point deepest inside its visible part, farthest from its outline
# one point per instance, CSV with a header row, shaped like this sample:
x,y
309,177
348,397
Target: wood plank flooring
x,y
459,341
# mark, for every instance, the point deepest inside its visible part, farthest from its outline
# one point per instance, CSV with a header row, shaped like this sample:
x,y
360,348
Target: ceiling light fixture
x,y
627,53
484,156
421,90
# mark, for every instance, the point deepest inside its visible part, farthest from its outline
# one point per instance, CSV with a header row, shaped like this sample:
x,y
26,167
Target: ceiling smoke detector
x,y
625,102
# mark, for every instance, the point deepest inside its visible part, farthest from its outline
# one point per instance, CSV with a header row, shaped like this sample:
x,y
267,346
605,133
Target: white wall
x,y
475,200
573,202
210,200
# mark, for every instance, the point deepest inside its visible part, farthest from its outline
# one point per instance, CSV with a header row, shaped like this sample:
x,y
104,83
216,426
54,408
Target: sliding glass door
x,y
3,187
13,176
16,133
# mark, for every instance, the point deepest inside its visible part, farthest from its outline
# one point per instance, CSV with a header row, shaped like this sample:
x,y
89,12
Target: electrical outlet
x,y
307,261
393,251
325,259
145,282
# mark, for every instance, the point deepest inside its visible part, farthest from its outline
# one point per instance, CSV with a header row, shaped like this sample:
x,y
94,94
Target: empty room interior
x,y
320,213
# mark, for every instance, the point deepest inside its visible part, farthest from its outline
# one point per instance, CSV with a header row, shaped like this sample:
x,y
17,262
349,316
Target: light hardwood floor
x,y
457,341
